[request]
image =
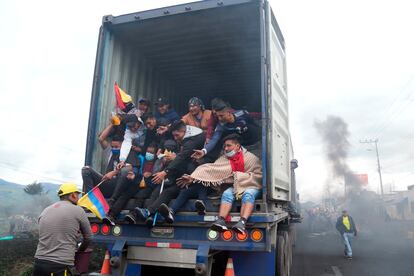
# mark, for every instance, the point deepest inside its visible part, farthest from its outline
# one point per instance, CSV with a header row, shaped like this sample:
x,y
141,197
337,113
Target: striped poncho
x,y
219,172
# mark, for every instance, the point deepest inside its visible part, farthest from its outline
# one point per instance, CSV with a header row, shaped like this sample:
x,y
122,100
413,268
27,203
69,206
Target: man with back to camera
x,y
346,227
60,228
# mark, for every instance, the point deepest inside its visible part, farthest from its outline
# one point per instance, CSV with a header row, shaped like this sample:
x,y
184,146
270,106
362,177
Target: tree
x,y
34,189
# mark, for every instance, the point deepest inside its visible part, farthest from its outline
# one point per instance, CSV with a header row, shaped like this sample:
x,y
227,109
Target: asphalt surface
x,y
380,249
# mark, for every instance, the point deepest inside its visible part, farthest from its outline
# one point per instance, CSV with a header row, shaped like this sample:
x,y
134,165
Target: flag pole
x,y
156,213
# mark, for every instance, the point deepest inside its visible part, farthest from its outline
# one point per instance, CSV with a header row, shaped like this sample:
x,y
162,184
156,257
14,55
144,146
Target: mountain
x,y
13,198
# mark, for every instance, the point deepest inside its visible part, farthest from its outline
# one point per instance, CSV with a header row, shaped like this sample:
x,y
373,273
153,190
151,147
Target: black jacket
x,y
182,161
341,227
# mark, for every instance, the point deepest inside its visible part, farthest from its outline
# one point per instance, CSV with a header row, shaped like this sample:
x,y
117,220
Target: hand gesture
x,y
184,181
109,175
120,165
159,177
198,154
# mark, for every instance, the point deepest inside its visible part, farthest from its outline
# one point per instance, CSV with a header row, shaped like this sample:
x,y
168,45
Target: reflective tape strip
x,y
214,218
163,244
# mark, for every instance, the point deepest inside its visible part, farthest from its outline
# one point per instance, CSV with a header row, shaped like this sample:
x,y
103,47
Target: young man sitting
x,y
236,166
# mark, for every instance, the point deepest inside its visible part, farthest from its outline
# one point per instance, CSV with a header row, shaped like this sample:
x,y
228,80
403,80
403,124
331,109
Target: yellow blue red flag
x,y
95,202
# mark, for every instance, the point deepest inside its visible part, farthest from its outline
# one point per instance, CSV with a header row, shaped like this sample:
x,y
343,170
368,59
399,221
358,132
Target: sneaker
x,y
349,257
200,207
219,225
240,227
131,218
109,220
166,213
149,222
141,213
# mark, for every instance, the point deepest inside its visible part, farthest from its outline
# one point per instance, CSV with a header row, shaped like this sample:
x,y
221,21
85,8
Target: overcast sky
x,y
352,59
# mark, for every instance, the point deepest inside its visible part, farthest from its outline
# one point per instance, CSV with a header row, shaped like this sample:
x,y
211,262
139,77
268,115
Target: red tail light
x,y
105,229
95,228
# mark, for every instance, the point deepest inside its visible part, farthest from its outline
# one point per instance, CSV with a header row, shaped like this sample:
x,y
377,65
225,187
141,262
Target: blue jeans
x,y
346,237
248,196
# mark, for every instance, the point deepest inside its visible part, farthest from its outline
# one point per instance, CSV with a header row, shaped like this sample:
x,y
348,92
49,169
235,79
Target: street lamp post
x,y
370,141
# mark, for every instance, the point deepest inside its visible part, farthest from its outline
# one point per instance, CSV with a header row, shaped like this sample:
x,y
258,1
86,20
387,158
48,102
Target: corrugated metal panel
x,y
278,128
207,53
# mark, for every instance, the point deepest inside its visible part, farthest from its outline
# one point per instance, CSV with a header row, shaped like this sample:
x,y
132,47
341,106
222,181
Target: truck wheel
x,y
280,255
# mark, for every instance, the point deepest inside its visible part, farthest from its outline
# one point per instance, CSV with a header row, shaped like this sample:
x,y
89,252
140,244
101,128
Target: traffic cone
x,y
106,268
229,268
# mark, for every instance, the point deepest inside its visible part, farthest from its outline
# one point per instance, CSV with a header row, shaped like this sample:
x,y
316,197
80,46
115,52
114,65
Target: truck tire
x,y
280,255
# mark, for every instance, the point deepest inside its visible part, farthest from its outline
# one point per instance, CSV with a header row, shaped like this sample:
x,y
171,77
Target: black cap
x,y
144,100
162,101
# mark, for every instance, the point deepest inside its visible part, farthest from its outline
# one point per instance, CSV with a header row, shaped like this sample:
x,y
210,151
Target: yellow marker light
x,y
227,235
212,235
117,230
256,235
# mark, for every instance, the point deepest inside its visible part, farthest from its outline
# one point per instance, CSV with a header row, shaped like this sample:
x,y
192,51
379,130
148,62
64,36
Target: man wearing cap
x,y
60,227
143,106
197,116
164,110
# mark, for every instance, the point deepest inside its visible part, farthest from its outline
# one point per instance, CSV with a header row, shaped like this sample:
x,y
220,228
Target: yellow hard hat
x,y
68,188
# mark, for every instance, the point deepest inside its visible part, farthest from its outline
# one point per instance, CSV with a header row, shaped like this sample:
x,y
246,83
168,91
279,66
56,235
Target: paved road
x,y
383,250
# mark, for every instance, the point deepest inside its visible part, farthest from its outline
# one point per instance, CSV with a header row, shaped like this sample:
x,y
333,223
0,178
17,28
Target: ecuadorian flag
x,y
122,98
95,202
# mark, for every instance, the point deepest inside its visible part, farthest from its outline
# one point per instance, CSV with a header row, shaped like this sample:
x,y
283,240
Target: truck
x,y
231,49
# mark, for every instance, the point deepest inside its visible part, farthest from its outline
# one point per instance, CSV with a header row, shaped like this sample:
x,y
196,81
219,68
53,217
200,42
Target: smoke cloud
x,y
334,133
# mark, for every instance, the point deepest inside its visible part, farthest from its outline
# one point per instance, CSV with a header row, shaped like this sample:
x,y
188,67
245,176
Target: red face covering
x,y
237,162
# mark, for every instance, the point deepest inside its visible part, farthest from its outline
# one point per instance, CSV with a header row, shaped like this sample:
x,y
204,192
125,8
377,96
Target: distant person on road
x,y
346,227
60,227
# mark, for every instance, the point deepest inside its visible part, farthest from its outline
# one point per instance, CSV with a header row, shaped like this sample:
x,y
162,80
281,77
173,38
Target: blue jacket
x,y
170,115
243,125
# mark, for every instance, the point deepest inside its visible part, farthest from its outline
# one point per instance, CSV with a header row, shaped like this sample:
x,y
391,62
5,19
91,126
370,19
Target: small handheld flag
x,y
95,202
122,98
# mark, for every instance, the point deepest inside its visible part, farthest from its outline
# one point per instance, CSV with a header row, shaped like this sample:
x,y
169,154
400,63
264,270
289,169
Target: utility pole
x,y
371,141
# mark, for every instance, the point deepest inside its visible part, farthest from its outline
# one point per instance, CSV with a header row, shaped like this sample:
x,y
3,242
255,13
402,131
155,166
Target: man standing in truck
x,y
230,121
197,116
346,227
238,169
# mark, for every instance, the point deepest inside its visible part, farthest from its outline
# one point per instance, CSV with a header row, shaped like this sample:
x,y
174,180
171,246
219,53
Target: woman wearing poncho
x,y
237,166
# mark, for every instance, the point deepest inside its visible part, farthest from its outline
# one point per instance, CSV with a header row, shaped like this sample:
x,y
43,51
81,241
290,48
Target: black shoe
x,y
240,227
200,207
219,225
149,222
109,220
166,213
141,213
131,218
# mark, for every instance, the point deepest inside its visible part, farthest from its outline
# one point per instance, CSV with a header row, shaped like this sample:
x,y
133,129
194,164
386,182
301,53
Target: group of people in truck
x,y
155,157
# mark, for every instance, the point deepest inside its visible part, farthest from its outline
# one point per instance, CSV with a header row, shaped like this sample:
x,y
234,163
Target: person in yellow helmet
x,y
61,226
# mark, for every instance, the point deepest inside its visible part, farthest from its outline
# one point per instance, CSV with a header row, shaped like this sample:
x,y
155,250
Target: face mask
x,y
149,156
116,151
230,153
